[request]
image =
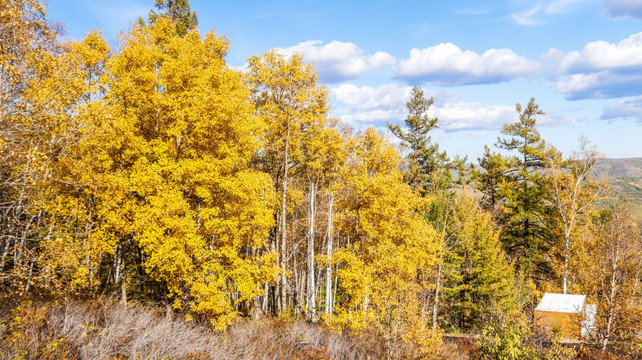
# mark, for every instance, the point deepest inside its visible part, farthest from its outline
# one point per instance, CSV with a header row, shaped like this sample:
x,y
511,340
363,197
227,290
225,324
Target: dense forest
x,y
153,173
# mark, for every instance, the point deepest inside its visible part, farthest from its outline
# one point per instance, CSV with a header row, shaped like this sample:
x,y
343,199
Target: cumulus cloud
x,y
388,96
447,65
601,85
623,8
369,105
601,69
474,116
387,103
624,109
339,61
373,117
601,55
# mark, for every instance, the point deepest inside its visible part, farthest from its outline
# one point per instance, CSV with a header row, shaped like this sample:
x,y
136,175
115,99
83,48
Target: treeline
x,y
154,172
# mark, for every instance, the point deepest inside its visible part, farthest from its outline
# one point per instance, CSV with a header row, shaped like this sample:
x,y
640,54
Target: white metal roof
x,y
561,303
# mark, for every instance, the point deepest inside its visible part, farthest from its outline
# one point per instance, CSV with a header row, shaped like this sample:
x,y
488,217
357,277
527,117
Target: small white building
x,y
568,313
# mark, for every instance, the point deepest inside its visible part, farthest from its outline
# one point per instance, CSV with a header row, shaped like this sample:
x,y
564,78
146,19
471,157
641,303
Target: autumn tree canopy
x,y
151,171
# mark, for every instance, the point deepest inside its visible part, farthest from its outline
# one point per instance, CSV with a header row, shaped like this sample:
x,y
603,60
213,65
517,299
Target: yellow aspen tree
x,y
323,156
24,34
47,85
68,199
286,95
176,154
573,193
391,245
610,254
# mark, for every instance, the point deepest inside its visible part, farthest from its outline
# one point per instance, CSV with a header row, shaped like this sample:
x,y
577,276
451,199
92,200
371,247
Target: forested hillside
x,y
625,178
153,173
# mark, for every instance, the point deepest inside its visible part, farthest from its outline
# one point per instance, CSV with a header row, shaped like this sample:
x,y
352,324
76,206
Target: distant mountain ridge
x,y
625,177
619,168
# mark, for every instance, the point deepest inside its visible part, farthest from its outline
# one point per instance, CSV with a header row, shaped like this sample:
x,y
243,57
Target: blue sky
x,y
580,59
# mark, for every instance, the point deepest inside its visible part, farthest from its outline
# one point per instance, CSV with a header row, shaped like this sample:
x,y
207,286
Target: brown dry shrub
x,y
100,329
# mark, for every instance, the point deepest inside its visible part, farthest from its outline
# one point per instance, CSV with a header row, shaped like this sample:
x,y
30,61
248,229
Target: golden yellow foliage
x,y
391,247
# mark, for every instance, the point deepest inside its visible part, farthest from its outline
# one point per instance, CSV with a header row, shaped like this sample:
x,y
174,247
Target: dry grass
x,y
103,330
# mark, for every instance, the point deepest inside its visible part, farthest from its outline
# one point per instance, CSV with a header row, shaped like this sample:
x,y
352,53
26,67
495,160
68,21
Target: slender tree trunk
x,y
266,297
366,302
29,277
276,302
286,160
566,255
328,269
297,286
311,299
117,262
123,288
609,316
437,288
256,301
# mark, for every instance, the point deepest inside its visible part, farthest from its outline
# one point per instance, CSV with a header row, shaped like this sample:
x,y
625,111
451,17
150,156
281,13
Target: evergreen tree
x,y
179,12
491,176
526,214
479,281
428,166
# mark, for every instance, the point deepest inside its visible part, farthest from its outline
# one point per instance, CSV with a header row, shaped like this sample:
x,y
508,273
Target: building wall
x,y
568,323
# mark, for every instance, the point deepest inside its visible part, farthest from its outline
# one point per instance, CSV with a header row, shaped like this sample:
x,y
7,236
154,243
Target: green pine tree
x,y
428,167
180,13
479,278
526,215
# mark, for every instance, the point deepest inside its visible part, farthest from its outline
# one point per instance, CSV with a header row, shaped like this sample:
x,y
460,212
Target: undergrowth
x,y
100,329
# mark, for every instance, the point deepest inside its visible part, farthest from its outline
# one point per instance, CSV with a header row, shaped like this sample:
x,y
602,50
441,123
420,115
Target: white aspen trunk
x,y
277,247
266,296
29,277
366,302
311,298
286,160
566,255
117,262
123,288
613,288
609,319
436,305
328,269
256,301
297,285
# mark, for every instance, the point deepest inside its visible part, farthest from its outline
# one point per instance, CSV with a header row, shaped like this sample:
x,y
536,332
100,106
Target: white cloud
x,y
376,116
469,116
624,109
601,85
601,55
447,65
367,97
623,8
339,61
600,70
387,103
